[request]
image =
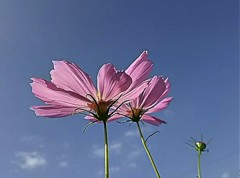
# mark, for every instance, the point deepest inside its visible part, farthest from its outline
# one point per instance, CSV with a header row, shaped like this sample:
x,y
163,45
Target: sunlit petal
x,y
70,77
140,69
53,111
112,83
50,94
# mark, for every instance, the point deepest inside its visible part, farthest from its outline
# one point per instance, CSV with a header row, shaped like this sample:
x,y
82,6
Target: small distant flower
x,y
71,90
200,147
152,99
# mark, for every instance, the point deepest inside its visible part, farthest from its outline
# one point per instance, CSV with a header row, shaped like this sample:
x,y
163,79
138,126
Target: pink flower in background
x,y
71,90
152,99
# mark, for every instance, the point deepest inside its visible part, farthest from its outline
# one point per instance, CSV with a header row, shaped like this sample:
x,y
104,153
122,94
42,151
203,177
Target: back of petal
x,y
53,111
50,94
70,77
152,120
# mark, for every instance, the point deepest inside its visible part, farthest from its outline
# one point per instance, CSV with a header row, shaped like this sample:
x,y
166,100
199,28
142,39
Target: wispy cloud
x,y
63,164
99,152
114,148
115,169
132,165
132,133
29,160
225,175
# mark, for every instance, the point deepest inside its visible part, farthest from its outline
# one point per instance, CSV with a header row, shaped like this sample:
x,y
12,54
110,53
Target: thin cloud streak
x,y
225,175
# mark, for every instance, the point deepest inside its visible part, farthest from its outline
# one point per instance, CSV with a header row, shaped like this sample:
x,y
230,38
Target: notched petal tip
x,y
145,52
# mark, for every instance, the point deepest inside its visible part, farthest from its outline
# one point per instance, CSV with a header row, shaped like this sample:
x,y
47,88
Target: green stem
x,y
199,164
147,151
106,150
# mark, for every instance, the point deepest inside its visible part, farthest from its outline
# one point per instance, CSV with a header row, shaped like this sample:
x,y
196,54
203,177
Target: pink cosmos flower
x,y
152,99
71,90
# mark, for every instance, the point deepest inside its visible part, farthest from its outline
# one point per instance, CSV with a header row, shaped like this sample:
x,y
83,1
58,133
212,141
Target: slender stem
x,y
199,164
106,150
148,152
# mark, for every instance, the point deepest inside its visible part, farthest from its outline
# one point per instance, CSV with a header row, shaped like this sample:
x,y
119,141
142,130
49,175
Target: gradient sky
x,y
194,43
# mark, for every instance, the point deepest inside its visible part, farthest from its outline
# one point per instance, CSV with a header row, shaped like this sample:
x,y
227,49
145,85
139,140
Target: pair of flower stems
x,y
199,146
106,152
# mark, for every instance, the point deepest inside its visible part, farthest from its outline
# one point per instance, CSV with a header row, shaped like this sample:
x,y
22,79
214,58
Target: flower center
x,y
101,108
135,114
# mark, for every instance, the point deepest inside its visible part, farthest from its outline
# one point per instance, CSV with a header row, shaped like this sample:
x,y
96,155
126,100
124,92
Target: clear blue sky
x,y
194,43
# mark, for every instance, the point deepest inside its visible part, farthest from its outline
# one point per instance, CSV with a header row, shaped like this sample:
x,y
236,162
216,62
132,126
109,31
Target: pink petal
x,y
165,93
152,93
152,120
168,86
131,95
123,110
103,78
161,105
50,94
53,111
140,69
112,83
70,77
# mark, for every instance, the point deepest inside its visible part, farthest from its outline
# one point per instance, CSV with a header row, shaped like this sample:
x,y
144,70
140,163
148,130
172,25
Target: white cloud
x,y
132,133
30,160
225,175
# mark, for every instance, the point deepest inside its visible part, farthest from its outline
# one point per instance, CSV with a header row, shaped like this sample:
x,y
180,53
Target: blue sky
x,y
194,43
